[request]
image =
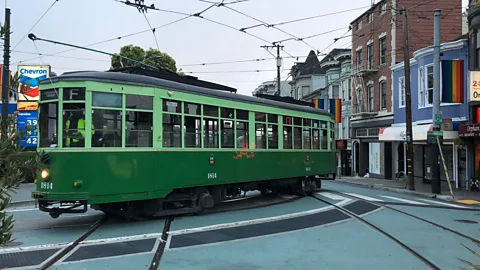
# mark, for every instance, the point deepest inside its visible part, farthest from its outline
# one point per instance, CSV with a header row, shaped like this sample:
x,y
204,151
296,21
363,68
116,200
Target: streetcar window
x,y
139,130
307,138
172,106
193,131
227,134
323,124
107,128
297,138
272,118
316,123
48,94
73,125
48,124
112,100
287,137
272,136
307,122
297,121
210,133
192,108
227,113
242,135
210,110
316,139
260,117
260,136
287,120
242,115
73,93
172,133
139,102
324,139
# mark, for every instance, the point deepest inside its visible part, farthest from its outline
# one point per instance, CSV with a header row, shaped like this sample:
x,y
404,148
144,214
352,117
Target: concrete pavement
x,y
424,190
302,234
23,195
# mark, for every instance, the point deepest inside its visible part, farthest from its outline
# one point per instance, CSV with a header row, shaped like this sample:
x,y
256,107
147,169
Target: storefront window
x,y
477,160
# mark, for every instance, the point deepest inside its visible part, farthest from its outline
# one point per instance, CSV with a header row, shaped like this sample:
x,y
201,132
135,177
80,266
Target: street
x,y
304,233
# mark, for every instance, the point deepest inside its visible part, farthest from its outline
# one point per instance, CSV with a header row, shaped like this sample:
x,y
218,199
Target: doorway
x,y
356,149
401,158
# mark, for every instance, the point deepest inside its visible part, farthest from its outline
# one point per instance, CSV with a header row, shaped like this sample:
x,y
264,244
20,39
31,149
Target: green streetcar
x,y
137,146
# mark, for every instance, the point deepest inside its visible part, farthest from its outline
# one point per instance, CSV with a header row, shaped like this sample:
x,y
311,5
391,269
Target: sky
x,y
190,41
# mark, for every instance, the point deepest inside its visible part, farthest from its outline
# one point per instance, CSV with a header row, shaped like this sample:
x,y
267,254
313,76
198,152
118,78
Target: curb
x,y
22,203
402,191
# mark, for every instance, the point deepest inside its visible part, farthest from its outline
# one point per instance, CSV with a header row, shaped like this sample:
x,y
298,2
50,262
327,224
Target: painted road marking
x,y
442,203
331,195
404,200
468,201
257,221
363,197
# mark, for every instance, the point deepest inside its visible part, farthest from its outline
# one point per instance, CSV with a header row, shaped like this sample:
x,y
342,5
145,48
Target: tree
x,y
151,57
14,162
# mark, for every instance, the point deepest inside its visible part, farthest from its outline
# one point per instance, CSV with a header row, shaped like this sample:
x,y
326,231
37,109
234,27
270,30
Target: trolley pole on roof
x,y
408,103
6,73
279,64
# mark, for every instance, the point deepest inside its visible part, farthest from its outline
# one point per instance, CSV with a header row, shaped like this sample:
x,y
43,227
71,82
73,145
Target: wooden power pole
x,y
408,102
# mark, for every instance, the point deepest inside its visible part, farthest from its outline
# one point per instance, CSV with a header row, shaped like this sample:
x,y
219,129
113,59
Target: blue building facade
x,y
454,115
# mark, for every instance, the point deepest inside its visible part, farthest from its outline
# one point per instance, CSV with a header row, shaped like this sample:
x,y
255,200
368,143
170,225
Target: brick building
x,y
377,44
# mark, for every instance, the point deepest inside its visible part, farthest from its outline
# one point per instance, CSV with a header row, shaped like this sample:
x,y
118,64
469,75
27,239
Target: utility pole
x,y
6,72
436,187
408,102
279,64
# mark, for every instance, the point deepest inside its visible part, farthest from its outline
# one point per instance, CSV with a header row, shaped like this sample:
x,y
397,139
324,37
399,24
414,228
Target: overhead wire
x,y
109,40
45,13
268,25
153,30
173,22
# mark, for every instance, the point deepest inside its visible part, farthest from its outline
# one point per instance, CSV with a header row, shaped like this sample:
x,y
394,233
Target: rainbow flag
x,y
453,81
318,103
336,109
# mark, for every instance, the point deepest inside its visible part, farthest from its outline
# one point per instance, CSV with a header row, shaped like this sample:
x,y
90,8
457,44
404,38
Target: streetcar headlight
x,y
44,174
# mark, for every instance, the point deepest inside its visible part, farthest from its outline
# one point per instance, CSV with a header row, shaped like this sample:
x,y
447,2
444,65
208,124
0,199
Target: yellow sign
x,y
27,106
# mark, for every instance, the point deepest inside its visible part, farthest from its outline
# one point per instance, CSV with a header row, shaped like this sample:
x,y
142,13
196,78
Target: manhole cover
x,y
466,221
12,244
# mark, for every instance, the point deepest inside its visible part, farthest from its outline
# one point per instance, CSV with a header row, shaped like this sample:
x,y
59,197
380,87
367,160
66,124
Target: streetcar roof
x,y
147,81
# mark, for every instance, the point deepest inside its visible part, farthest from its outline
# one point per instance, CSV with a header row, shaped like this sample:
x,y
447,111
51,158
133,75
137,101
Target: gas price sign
x,y
30,138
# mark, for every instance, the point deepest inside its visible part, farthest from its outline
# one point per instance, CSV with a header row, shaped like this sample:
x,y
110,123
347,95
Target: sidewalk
x,y
421,189
23,195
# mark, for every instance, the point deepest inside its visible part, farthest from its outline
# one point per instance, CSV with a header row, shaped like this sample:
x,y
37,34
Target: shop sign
x,y
474,85
472,130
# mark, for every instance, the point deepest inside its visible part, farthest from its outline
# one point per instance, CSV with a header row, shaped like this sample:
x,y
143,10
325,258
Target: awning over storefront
x,y
419,133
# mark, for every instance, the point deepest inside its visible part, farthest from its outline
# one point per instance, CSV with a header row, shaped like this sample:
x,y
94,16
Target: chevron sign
x,y
29,78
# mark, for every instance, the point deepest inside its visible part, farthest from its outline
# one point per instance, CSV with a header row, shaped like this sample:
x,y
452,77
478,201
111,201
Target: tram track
x,y
161,247
476,241
74,244
403,245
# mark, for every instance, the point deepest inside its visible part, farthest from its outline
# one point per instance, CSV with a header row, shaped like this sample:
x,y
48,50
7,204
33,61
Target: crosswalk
x,y
387,199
